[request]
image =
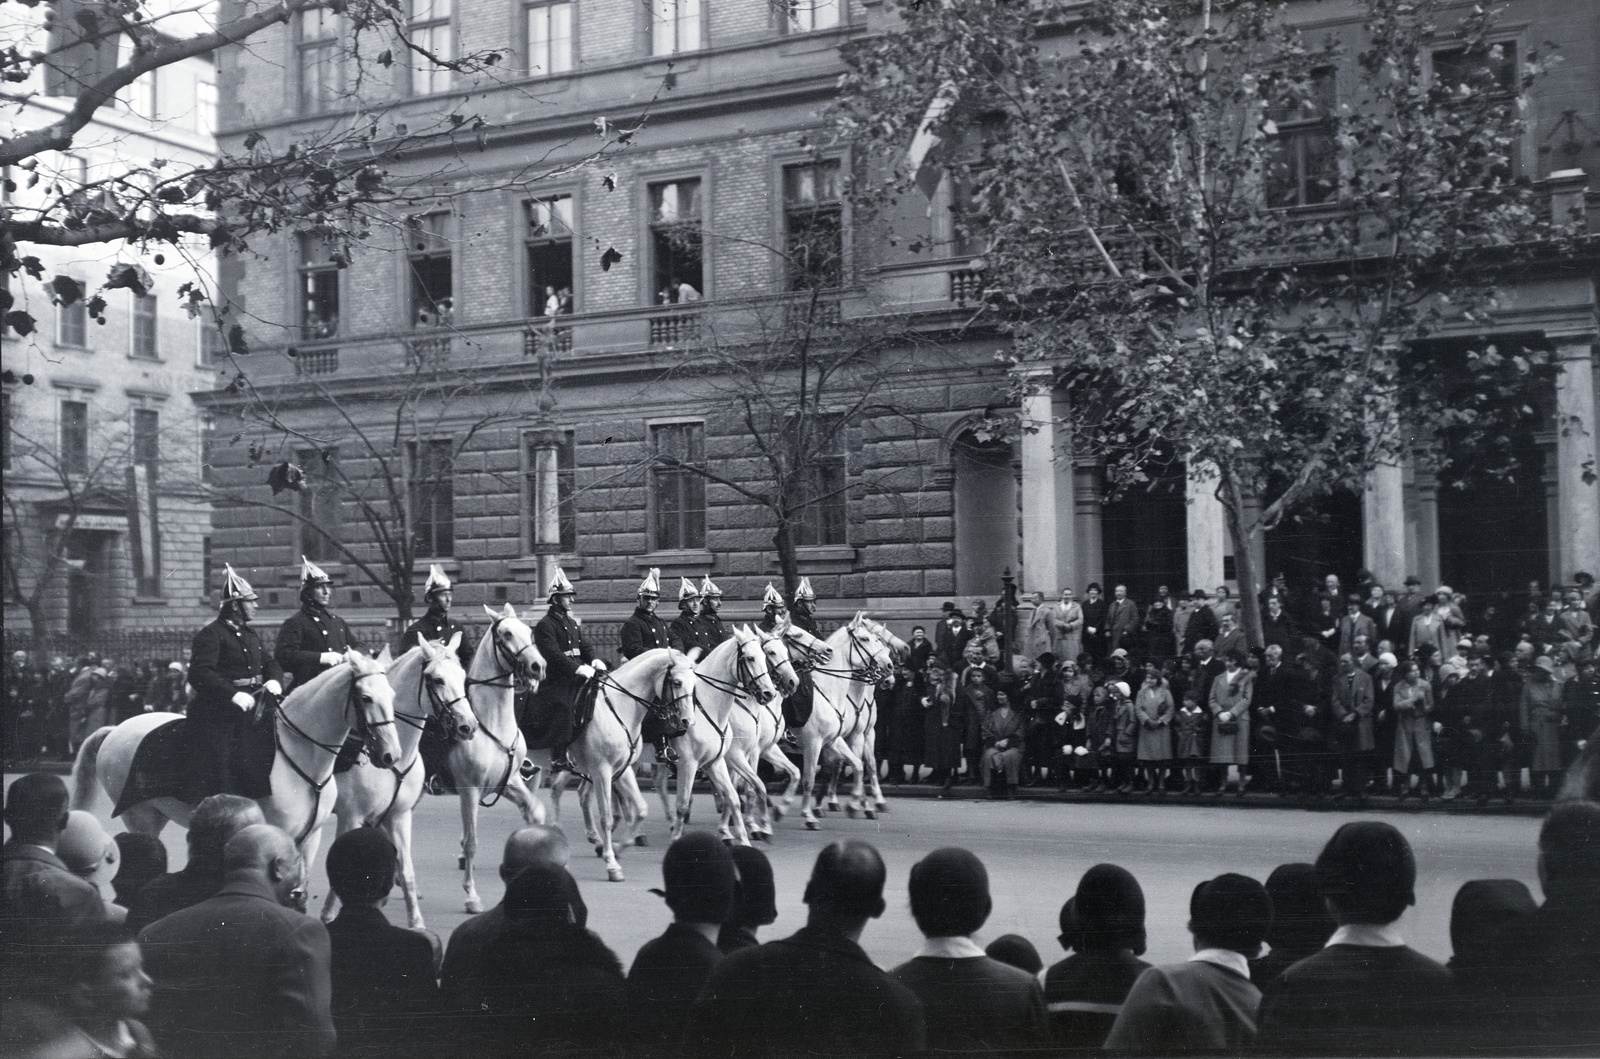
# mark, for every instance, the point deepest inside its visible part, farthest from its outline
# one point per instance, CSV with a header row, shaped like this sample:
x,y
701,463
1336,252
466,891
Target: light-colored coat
x,y
1231,697
1068,630
1155,710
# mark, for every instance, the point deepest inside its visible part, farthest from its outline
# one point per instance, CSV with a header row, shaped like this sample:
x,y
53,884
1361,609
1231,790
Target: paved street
x,y
1035,852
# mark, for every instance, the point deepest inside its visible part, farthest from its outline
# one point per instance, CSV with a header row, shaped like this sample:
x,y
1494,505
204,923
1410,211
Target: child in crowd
x,y
1190,753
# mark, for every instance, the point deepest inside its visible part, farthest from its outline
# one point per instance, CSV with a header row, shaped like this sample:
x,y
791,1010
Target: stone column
x,y
1089,496
1383,518
1040,572
1207,530
1066,503
1578,503
547,502
1257,543
1426,552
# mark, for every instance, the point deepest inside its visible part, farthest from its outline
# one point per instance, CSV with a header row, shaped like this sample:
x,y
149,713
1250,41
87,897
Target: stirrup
x,y
562,763
527,770
667,752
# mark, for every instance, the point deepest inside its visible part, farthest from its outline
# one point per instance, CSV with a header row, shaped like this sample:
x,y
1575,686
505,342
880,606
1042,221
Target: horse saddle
x,y
189,762
797,707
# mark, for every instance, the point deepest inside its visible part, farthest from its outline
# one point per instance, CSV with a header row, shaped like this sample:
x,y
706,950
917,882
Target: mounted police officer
x,y
797,707
314,639
774,612
228,667
712,631
804,609
684,632
644,631
570,663
437,625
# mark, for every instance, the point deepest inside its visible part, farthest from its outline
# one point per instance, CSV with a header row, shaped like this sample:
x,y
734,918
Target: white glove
x,y
1437,727
330,658
274,687
586,672
243,700
600,664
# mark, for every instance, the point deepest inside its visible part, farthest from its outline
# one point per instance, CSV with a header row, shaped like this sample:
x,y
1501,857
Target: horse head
x,y
678,684
753,673
901,649
870,660
513,646
445,684
371,699
815,651
775,646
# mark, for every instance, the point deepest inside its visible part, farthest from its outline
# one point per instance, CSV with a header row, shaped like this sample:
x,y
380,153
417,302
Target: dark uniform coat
x,y
560,640
305,636
225,659
643,631
439,626
686,633
712,630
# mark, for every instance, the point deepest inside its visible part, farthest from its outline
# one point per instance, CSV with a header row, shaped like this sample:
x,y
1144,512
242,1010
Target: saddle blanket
x,y
548,722
172,763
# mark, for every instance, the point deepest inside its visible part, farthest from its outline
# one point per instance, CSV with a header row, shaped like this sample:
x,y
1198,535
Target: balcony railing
x,y
427,352
675,329
966,286
316,362
546,338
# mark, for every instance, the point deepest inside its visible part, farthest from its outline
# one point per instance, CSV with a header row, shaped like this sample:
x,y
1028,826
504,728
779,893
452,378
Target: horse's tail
x,y
85,781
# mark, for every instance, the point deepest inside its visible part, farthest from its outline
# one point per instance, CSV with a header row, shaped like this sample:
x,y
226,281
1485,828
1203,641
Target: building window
x,y
146,437
808,15
213,343
677,491
813,223
1302,169
319,289
145,538
674,26
321,515
566,486
549,246
1490,69
433,498
677,265
321,61
208,448
430,31
549,39
72,324
432,284
822,514
144,326
74,437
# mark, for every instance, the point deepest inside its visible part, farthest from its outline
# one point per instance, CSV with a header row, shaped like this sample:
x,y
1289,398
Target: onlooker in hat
x,y
39,894
1230,722
1408,608
216,820
1067,619
1230,636
1354,623
1122,618
1155,711
700,881
1413,729
1549,962
547,983
1005,742
972,1002
1016,950
1104,922
1483,910
1301,923
86,849
755,902
1202,624
1095,611
460,978
1209,1003
244,973
1540,722
817,986
384,992
1366,993
143,858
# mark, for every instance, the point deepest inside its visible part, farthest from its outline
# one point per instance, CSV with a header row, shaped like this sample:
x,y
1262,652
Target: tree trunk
x,y
38,625
402,597
788,564
1244,569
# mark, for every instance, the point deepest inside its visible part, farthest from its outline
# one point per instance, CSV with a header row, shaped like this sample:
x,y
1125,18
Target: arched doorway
x,y
987,530
1145,534
1493,531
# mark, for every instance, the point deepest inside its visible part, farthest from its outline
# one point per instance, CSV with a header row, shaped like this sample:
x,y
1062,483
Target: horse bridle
x,y
746,679
863,667
363,727
506,657
439,709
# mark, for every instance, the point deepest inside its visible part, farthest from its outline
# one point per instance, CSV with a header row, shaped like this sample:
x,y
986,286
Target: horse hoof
x,y
870,814
833,807
641,840
600,851
883,807
811,825
778,812
851,812
474,906
615,875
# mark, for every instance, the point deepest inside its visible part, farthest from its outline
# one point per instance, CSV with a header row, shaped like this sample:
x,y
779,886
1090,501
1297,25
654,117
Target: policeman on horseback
x,y
804,609
797,707
645,631
228,668
712,631
684,633
437,625
570,663
314,639
774,612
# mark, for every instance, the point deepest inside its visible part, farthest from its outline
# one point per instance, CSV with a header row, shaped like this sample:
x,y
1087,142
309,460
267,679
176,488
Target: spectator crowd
x,y
220,959
52,704
1353,691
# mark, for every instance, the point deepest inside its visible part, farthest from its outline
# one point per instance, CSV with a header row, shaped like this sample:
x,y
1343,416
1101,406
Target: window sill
x,y
676,561
290,575
149,601
821,559
448,565
530,563
157,359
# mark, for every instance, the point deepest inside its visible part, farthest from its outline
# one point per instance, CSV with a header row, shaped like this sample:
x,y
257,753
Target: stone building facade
x,y
499,280
104,446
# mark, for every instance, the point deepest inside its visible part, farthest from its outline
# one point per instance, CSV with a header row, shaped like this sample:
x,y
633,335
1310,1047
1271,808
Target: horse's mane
x,y
726,646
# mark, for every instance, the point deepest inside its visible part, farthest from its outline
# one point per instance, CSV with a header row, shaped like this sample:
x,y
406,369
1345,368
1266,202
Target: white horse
x,y
729,674
867,748
609,745
492,759
841,707
311,726
428,681
758,729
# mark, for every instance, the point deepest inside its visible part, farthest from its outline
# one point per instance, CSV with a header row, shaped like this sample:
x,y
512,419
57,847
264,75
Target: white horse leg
x,y
688,768
780,761
660,778
400,832
330,904
810,751
871,760
721,781
633,806
526,801
308,848
601,793
852,760
469,847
